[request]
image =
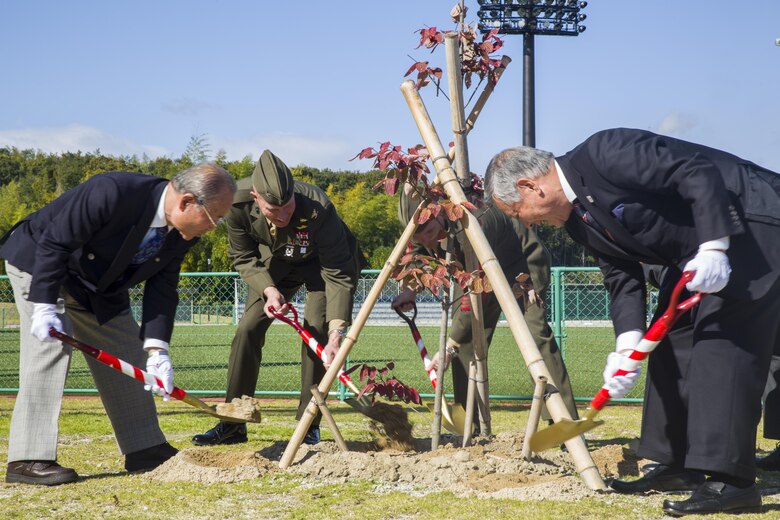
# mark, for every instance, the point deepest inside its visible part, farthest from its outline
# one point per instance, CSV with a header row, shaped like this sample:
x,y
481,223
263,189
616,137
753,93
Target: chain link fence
x,y
211,304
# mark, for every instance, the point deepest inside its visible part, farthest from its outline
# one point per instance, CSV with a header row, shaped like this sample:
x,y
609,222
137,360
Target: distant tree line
x,y
31,179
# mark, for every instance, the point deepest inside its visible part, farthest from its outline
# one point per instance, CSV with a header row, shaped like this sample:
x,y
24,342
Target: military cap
x,y
273,180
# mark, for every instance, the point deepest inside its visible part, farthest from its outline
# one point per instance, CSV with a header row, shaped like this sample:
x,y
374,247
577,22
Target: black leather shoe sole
x,y
49,480
715,497
677,513
679,482
204,440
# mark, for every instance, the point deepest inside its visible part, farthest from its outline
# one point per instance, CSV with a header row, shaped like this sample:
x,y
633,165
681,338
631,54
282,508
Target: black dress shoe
x,y
149,458
716,497
222,433
42,472
312,436
661,478
771,462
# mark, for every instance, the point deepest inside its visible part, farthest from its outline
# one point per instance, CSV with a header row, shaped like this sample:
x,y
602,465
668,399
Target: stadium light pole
x,y
529,18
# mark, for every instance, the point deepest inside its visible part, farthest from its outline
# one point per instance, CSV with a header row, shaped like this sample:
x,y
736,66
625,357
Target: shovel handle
x,y
657,332
313,345
420,344
116,363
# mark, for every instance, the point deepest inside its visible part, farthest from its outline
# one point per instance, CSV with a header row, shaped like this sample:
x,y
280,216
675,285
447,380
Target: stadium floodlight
x,y
529,18
550,17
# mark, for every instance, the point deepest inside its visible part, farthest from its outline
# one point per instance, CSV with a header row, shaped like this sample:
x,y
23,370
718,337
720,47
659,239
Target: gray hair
x,y
511,164
206,181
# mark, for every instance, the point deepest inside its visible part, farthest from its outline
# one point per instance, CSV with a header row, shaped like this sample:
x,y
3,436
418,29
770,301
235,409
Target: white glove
x,y
712,267
619,386
159,365
44,316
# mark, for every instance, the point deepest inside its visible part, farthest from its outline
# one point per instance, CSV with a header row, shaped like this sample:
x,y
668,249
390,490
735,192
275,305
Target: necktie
x,y
588,219
151,245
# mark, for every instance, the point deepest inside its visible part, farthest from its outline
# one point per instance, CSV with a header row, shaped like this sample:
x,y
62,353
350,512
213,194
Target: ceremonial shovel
x,y
138,374
566,429
363,405
453,419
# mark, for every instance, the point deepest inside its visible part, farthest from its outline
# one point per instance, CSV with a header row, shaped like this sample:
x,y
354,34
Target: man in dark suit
x,y
632,196
286,234
84,251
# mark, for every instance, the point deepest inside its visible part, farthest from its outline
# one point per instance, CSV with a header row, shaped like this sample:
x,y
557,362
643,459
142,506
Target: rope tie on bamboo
x,y
477,380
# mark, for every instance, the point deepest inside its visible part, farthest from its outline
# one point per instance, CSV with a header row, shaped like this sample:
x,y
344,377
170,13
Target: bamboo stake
x,y
349,342
533,416
439,392
490,265
463,170
319,400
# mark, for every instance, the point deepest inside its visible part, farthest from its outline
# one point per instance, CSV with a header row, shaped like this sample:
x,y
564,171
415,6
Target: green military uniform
x,y
518,250
315,250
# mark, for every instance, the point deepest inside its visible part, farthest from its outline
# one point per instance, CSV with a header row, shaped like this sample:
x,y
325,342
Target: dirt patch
x,y
490,468
390,427
244,408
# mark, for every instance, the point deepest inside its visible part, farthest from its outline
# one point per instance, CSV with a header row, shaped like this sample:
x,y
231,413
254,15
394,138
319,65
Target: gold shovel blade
x,y
362,405
562,431
212,410
453,418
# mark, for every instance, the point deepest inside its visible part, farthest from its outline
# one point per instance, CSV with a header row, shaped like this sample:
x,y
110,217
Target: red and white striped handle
x,y
313,344
116,363
420,345
652,337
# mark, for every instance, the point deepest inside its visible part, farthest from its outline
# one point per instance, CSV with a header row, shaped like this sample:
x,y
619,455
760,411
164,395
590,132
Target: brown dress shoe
x,y
41,472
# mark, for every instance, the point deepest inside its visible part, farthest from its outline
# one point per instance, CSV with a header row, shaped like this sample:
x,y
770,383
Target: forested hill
x,y
30,179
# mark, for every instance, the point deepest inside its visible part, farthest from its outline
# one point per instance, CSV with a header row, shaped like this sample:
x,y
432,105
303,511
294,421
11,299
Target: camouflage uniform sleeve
x,y
244,251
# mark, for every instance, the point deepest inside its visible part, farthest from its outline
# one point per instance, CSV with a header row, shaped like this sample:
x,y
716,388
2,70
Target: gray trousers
x,y
43,368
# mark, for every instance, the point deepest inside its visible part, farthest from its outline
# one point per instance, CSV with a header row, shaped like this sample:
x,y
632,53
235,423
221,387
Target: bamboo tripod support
x,y
319,400
373,295
477,369
348,343
534,415
528,349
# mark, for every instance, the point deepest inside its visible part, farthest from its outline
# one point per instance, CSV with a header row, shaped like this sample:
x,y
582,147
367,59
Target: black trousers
x,y
705,382
772,397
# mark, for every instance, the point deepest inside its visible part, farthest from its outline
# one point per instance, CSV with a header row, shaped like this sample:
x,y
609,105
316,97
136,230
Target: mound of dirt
x,y
490,468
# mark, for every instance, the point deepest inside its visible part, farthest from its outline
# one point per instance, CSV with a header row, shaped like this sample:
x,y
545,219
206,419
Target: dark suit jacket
x,y
85,239
660,198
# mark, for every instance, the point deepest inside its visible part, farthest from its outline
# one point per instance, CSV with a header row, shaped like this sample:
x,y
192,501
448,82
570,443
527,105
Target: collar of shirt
x,y
570,195
159,219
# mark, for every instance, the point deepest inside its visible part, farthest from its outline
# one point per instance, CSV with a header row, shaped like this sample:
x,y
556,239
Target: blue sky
x,y
317,81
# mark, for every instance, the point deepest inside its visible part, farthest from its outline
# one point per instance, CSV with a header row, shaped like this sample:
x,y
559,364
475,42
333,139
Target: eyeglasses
x,y
211,219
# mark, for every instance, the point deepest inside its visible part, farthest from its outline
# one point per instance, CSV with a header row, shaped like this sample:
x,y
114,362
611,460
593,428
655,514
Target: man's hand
x,y
159,365
275,299
44,316
332,348
619,386
712,267
404,301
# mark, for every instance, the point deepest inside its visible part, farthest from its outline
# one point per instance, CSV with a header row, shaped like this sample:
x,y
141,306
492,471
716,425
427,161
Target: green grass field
x,y
200,355
106,491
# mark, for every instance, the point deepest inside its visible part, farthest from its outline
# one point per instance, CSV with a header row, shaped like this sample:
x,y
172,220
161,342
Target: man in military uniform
x,y
518,250
283,235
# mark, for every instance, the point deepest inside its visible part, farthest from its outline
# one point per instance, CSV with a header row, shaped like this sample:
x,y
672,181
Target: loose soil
x,y
491,468
244,408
